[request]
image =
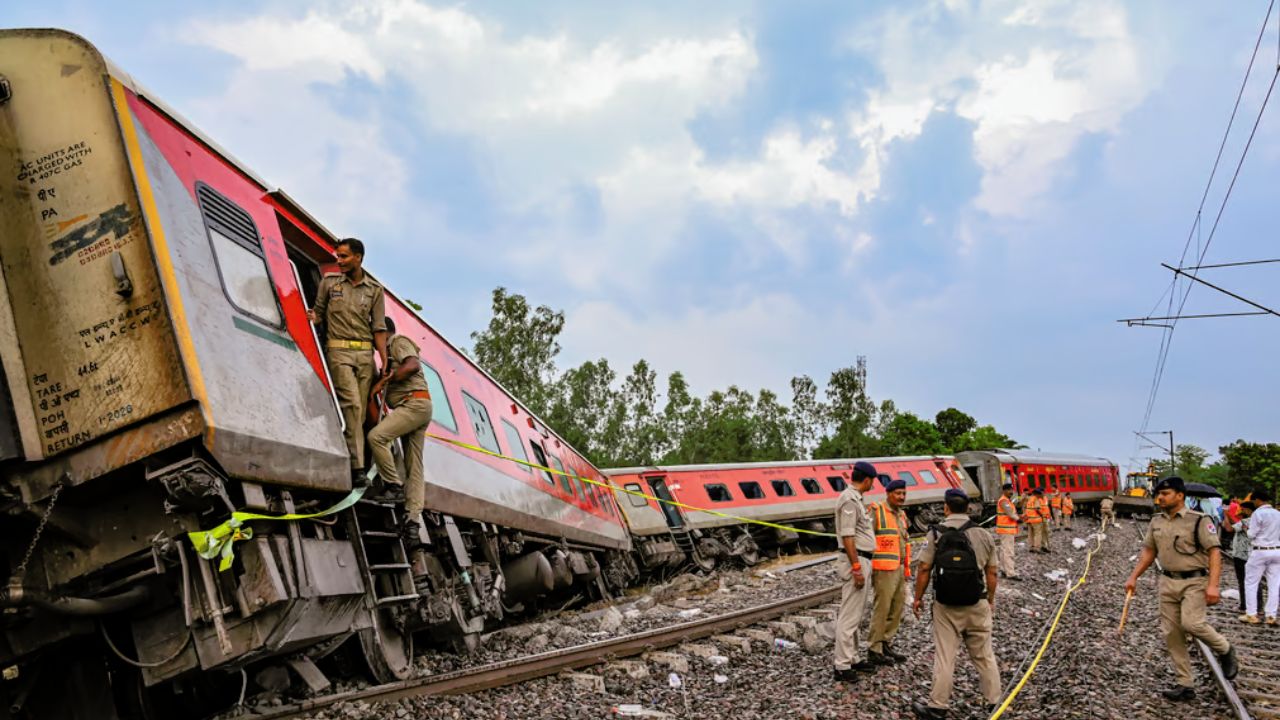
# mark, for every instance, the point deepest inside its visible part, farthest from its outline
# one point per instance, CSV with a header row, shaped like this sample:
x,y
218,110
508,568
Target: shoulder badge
x,y
1213,529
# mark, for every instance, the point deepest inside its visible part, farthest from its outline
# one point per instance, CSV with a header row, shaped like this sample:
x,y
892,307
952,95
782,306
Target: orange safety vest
x,y
1055,502
892,550
1068,506
1034,511
1005,524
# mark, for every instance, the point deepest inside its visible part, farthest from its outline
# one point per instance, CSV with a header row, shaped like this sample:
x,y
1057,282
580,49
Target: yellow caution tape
x,y
219,541
1088,562
615,489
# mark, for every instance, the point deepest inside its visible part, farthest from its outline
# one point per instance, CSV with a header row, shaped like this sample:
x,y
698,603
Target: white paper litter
x,y
691,612
674,680
721,679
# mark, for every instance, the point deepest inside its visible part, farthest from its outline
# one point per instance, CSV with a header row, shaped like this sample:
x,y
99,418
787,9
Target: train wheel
x,y
702,562
920,522
387,649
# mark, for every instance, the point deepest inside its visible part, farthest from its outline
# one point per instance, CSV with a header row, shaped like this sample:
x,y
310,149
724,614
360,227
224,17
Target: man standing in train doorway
x,y
1007,531
853,527
1186,544
352,308
409,413
959,558
890,571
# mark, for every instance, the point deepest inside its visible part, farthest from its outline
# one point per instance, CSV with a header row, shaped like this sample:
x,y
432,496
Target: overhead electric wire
x,y
1166,339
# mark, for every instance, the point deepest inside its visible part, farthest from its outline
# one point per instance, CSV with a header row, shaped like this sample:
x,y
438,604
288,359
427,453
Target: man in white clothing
x,y
1264,558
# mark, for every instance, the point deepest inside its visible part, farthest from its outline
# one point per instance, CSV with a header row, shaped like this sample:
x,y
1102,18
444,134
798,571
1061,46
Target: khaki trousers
x,y
1182,611
1066,520
971,626
1034,535
407,422
890,590
1107,517
352,373
853,604
1005,552
1043,531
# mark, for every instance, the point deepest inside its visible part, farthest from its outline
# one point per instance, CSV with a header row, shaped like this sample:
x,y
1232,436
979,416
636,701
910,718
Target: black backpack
x,y
957,579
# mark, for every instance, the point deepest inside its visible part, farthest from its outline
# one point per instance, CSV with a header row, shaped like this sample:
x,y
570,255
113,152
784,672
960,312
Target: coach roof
x,y
839,464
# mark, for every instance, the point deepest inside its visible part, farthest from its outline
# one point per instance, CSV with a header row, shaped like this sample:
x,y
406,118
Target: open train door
x,y
677,523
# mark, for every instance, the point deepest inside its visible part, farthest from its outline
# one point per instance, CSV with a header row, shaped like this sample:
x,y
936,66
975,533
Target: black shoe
x,y
1179,693
846,676
928,713
876,658
359,478
863,666
410,533
386,492
1230,666
893,654
1015,577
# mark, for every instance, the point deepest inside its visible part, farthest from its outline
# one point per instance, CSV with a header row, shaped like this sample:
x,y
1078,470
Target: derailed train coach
x,y
1086,478
159,372
761,507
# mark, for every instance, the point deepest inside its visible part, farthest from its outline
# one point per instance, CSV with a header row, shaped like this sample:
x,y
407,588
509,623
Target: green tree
x,y
851,415
519,348
808,414
1250,465
775,430
643,437
983,437
952,425
911,435
580,411
1190,463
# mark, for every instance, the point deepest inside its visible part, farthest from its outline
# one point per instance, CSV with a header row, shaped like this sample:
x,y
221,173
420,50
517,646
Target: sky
x,y
970,194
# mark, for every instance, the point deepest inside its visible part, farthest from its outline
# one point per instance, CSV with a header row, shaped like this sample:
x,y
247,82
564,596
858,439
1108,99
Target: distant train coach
x,y
1088,479
798,494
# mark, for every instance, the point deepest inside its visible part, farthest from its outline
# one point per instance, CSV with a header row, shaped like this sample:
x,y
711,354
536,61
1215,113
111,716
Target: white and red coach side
x,y
799,494
1087,478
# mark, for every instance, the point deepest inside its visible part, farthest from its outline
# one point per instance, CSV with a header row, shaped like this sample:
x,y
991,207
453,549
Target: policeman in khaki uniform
x,y
353,309
1068,510
409,405
890,570
853,526
1007,531
1186,544
1033,513
956,625
1108,506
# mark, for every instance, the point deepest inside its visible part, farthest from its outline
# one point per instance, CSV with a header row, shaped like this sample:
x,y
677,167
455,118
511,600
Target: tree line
x,y
636,420
1240,468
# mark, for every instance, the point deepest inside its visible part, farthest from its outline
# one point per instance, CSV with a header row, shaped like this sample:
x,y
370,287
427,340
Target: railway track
x,y
1255,692
510,672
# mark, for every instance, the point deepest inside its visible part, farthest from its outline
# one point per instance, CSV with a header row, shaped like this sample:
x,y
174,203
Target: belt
x,y
415,395
1184,574
865,553
349,345
1266,547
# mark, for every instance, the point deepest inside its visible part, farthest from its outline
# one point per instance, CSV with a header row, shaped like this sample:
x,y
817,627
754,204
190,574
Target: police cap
x,y
955,494
1173,482
1007,486
864,468
895,485
1037,491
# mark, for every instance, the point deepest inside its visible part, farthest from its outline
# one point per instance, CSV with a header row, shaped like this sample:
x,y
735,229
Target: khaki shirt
x,y
1108,504
853,520
350,311
984,548
1171,538
401,348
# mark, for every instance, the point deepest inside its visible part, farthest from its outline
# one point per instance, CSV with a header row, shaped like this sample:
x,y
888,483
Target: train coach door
x,y
658,485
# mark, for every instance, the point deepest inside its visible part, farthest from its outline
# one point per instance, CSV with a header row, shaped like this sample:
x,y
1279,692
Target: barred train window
x,y
782,488
811,486
751,490
237,252
718,493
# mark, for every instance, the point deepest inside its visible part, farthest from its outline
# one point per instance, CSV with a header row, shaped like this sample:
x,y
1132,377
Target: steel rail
x,y
1228,688
510,672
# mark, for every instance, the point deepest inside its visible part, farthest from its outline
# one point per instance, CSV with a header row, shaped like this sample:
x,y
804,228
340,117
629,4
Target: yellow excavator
x,y
1134,498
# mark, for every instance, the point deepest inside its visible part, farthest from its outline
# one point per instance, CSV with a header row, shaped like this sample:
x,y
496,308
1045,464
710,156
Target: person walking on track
x,y
857,540
409,404
959,559
1007,519
352,308
1186,544
1264,558
890,571
1239,552
1108,506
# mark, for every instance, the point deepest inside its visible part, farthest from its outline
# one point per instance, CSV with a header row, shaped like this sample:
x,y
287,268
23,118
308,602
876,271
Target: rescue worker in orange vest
x,y
1007,531
1055,508
890,570
1068,509
1034,517
1046,514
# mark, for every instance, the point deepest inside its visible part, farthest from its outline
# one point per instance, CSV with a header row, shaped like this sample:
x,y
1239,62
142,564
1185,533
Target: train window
x,y
565,483
237,253
1053,482
540,457
636,500
1041,484
884,480
480,423
513,440
751,490
836,482
906,477
811,486
1096,482
441,410
718,493
782,488
929,479
592,496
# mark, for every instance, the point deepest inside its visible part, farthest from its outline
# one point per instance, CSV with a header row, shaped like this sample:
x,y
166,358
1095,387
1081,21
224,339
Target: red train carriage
x,y
159,372
1088,479
799,494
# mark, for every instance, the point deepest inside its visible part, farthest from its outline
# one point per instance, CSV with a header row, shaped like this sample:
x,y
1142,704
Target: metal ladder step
x,y
388,567
396,598
379,534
